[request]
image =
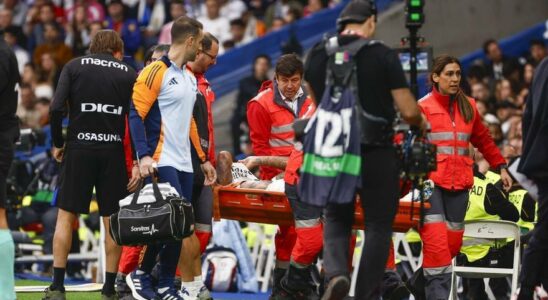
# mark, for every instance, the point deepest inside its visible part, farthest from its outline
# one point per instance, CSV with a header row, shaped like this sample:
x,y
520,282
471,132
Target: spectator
x,y
42,107
10,35
277,24
476,73
237,29
482,108
293,15
248,88
46,15
94,28
313,7
254,27
151,17
280,9
176,10
496,133
194,8
497,61
128,29
214,23
155,52
26,110
78,32
537,51
227,45
29,75
232,9
480,92
94,10
6,23
48,70
53,44
19,10
528,71
505,110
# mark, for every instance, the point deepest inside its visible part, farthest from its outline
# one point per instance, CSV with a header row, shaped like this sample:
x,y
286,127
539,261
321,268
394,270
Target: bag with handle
x,y
169,218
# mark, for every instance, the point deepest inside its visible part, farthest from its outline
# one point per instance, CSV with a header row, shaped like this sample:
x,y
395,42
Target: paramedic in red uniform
x,y
271,115
455,124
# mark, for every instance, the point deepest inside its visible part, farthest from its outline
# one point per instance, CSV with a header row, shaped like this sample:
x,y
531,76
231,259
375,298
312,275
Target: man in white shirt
x,y
216,24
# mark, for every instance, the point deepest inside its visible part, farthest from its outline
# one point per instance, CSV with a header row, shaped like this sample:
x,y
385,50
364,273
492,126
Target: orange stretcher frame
x,y
260,206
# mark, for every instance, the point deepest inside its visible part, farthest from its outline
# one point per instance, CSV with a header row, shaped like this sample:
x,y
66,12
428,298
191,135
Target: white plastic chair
x,y
490,230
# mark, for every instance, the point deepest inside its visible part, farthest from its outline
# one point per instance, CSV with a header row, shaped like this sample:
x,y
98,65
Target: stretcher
x,y
260,206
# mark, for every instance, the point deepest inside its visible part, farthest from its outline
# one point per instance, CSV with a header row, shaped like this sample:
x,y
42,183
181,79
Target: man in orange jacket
x,y
271,115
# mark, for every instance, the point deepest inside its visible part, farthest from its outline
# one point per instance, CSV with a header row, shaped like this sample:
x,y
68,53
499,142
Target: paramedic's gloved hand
x,y
146,167
135,178
209,172
251,162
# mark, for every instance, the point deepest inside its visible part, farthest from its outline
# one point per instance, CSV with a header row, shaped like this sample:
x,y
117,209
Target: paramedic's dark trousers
x,y
535,257
379,196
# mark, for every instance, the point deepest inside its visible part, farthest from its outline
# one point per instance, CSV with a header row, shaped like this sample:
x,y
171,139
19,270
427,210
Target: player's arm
x,y
58,110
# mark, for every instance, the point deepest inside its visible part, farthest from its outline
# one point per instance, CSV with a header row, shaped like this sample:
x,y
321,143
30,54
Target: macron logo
x,y
172,81
103,63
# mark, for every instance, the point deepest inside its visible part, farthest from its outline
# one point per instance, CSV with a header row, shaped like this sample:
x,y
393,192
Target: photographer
x,y
455,124
381,84
9,132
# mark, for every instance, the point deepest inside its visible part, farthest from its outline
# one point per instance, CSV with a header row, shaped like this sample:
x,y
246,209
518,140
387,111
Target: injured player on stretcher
x,y
238,174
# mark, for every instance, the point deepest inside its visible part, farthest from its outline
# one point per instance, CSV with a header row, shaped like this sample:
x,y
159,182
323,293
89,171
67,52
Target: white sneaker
x,y
188,293
204,294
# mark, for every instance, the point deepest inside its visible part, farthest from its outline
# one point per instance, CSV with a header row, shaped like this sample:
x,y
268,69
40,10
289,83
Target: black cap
x,y
356,11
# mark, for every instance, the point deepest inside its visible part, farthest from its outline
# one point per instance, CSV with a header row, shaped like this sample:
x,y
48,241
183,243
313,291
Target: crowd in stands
x,y
500,86
46,34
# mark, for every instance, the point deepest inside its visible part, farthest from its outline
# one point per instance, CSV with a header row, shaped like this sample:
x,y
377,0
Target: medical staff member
x,y
455,123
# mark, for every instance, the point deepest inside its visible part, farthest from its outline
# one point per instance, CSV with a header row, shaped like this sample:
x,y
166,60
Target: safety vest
x,y
476,249
517,197
451,135
491,177
412,236
282,137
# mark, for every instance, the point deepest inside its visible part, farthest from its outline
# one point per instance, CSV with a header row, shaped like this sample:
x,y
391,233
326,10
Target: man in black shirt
x,y
249,87
9,133
95,91
381,84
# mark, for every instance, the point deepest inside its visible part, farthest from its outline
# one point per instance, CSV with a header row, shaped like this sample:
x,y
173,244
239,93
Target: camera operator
x,y
381,84
455,124
95,91
9,132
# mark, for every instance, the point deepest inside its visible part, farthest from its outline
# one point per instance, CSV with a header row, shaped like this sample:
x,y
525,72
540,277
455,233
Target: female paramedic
x,y
455,124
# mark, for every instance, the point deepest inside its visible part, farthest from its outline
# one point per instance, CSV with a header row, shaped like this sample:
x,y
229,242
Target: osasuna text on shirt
x,y
97,89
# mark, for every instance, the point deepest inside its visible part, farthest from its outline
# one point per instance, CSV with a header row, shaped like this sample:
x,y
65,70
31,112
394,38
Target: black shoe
x,y
399,293
337,288
53,294
304,292
416,285
121,286
278,274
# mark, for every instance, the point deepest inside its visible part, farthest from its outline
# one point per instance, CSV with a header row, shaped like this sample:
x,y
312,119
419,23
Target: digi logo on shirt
x,y
101,108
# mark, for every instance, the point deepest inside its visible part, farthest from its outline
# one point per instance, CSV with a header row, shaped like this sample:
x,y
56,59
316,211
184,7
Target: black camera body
x,y
30,138
416,153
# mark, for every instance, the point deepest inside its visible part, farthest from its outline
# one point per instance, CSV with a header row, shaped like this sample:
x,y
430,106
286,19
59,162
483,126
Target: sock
x,y
58,279
7,253
198,281
108,286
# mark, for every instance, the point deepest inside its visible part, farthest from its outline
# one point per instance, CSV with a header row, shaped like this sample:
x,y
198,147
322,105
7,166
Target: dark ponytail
x,y
464,105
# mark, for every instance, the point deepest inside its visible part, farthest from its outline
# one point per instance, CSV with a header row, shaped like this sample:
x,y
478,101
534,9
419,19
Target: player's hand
x,y
506,179
209,172
58,153
135,179
251,162
147,166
